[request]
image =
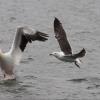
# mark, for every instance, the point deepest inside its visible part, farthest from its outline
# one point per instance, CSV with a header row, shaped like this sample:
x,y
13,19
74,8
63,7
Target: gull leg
x,y
77,64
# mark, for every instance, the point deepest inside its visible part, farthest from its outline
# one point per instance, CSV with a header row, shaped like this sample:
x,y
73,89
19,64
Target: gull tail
x,y
80,54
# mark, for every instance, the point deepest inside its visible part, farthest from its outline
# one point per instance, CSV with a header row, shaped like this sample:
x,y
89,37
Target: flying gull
x,y
66,51
8,60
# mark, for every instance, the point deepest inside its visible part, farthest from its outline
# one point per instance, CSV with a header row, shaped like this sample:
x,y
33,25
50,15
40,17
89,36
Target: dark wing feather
x,y
32,37
60,34
80,54
40,36
24,41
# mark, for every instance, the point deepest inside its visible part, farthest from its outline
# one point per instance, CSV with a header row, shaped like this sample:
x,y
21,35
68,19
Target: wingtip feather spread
x,y
56,22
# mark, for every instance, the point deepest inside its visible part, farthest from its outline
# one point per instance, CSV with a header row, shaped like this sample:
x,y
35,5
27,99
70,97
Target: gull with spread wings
x,y
66,51
23,36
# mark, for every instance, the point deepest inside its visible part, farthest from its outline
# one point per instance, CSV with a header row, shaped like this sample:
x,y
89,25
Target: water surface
x,y
39,76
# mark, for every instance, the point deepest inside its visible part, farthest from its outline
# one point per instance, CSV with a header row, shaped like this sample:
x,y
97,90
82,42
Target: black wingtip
x,y
56,22
42,36
56,19
43,39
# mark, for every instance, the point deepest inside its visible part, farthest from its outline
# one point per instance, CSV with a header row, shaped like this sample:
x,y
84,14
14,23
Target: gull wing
x,y
23,36
60,35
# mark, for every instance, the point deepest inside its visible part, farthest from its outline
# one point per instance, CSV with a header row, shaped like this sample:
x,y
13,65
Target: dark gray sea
x,y
40,76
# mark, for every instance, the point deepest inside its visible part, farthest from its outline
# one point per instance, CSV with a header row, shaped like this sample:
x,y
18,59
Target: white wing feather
x,y
15,51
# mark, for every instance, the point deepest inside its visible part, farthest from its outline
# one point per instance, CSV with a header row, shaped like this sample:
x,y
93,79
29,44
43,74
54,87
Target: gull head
x,y
57,54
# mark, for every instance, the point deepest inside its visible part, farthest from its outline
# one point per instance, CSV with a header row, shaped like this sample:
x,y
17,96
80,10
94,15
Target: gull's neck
x,y
61,53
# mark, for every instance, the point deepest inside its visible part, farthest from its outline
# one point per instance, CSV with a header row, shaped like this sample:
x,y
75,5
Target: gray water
x,y
40,76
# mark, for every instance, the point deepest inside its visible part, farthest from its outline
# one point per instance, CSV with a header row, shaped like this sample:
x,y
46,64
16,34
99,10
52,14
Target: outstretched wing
x,y
60,35
32,37
23,36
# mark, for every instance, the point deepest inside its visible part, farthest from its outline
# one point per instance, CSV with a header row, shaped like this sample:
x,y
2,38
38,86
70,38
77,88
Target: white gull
x,y
11,58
